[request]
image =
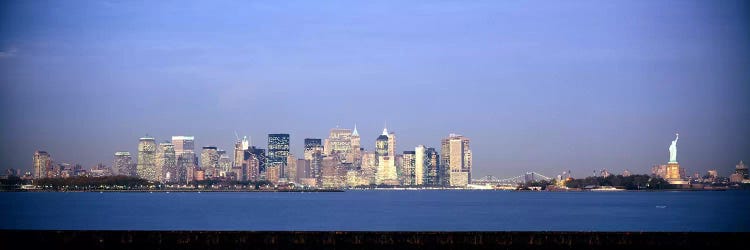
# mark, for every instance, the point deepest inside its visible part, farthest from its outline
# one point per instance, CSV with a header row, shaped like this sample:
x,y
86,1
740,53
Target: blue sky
x,y
537,85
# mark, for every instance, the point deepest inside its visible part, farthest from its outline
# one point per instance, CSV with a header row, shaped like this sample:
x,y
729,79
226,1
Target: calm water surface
x,y
428,210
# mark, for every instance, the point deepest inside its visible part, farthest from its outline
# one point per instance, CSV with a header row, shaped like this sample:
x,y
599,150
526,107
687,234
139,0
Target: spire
x,y
355,133
385,128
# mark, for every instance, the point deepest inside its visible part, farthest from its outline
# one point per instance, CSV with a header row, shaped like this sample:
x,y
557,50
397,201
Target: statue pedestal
x,y
673,173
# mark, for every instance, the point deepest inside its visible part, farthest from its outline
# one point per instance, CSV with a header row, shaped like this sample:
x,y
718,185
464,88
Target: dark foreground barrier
x,y
22,239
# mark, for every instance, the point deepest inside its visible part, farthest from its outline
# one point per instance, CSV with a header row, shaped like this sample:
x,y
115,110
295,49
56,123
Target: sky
x,y
544,86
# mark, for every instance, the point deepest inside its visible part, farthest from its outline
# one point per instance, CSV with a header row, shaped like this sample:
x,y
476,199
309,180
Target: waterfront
x,y
380,210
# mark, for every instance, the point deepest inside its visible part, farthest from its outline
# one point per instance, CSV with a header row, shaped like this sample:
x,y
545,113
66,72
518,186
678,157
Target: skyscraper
x,y
339,144
312,145
123,164
187,160
355,156
386,171
183,144
420,172
166,163
146,168
209,161
291,169
225,164
278,152
407,173
435,173
42,163
457,159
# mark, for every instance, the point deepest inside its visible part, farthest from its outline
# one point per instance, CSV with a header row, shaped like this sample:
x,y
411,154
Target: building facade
x,y
456,154
42,164
146,167
166,163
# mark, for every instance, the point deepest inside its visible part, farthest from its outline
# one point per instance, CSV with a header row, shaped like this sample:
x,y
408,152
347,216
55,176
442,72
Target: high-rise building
x,y
209,157
166,163
123,164
333,174
312,145
420,172
339,144
386,159
42,163
316,166
278,151
408,166
356,153
183,144
303,169
146,167
435,174
457,159
225,164
369,167
187,160
290,171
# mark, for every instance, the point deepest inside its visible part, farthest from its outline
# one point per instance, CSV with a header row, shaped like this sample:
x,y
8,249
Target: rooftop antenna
x,y
236,136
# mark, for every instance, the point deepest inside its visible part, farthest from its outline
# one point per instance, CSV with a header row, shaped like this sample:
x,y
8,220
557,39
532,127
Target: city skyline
x,y
543,88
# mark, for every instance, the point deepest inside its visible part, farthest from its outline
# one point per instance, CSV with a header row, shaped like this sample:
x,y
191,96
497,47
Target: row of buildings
x,y
334,162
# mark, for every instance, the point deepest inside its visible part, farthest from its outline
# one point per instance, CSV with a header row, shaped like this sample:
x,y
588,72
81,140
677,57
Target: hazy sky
x,y
537,85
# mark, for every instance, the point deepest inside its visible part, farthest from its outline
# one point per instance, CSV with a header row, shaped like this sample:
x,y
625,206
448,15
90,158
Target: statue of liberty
x,y
673,149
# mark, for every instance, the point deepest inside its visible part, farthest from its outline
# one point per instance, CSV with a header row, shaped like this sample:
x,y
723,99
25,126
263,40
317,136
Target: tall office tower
x,y
254,164
290,171
42,162
369,166
339,144
316,165
260,155
187,162
166,163
332,174
225,164
183,144
273,172
278,151
435,175
123,164
303,169
146,167
420,173
312,145
457,159
386,160
408,165
239,154
356,153
209,157
210,162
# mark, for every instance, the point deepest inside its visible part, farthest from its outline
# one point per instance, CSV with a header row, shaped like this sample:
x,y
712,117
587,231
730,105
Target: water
x,y
428,210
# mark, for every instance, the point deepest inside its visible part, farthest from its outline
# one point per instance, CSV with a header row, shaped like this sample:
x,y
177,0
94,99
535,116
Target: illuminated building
x,y
386,160
278,151
166,163
408,168
312,145
146,167
42,163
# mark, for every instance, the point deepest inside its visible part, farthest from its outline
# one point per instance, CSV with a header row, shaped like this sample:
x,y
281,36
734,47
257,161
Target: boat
x,y
606,189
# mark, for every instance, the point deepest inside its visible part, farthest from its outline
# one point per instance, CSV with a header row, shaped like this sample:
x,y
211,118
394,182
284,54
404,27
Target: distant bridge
x,y
529,176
